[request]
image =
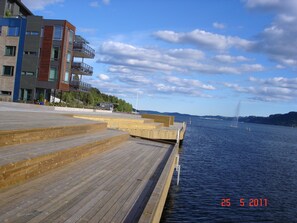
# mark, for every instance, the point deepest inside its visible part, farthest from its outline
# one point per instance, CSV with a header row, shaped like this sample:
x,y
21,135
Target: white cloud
x,y
106,2
134,79
126,58
252,68
170,89
187,53
103,77
188,83
262,3
40,5
277,89
278,6
218,25
94,4
230,59
277,39
278,66
204,39
277,82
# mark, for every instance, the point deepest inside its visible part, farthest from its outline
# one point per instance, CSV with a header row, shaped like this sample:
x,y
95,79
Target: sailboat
x,y
234,123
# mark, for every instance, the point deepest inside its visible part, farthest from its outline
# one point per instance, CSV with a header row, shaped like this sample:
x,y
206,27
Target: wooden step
x,y
104,187
14,137
123,123
19,163
26,127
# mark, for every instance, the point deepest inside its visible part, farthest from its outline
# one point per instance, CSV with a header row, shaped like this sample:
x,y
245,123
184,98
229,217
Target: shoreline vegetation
x,y
89,100
288,119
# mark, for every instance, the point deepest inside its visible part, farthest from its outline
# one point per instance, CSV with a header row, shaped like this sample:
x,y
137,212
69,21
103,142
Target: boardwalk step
x,y
14,137
19,163
123,123
26,127
103,187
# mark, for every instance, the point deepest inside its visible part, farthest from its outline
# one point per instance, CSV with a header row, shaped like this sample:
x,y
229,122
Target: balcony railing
x,y
82,68
82,50
79,86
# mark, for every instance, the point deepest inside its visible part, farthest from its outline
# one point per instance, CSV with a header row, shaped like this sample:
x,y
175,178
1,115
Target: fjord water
x,y
218,162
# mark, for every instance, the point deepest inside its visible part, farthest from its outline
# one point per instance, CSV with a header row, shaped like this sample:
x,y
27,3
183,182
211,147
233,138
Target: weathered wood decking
x,y
102,188
56,168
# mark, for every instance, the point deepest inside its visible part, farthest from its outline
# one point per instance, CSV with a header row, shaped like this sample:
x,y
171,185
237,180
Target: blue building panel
x,y
19,29
17,81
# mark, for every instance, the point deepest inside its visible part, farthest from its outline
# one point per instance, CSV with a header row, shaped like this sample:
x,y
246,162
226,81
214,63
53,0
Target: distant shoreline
x,y
288,119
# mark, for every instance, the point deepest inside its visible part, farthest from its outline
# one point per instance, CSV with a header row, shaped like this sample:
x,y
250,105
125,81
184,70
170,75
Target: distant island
x,y
288,119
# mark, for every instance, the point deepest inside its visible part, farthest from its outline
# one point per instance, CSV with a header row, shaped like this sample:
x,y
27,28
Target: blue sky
x,y
198,57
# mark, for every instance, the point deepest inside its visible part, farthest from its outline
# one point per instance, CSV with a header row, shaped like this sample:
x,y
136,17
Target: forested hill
x,y
289,119
92,98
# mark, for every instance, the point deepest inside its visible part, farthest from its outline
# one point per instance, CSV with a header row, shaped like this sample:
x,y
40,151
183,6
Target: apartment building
x,y
42,57
13,8
12,31
49,43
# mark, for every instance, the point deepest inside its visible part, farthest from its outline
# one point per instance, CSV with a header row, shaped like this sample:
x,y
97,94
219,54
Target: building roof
x,y
23,7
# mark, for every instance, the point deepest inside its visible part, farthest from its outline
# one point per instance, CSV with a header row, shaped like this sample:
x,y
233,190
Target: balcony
x,y
82,69
81,49
79,86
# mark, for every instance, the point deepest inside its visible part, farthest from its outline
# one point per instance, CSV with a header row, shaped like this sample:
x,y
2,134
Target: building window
x,y
10,50
8,93
32,33
58,32
26,94
66,77
68,57
28,73
71,34
42,32
8,70
13,31
30,53
55,53
53,74
9,6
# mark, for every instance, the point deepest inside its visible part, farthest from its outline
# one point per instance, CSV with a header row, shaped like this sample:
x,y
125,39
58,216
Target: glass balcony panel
x,y
76,85
82,68
83,50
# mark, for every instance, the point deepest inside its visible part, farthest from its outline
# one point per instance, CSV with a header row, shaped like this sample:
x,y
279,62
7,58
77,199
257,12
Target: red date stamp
x,y
242,202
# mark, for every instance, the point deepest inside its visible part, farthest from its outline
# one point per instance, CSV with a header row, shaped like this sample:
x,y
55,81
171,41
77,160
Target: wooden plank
x,y
165,119
106,181
118,213
13,173
154,207
54,190
76,201
104,186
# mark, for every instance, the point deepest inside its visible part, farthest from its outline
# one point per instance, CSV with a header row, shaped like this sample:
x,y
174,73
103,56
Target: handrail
x,y
82,66
83,47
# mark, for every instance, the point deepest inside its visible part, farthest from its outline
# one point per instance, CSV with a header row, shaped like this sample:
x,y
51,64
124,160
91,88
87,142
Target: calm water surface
x,y
251,161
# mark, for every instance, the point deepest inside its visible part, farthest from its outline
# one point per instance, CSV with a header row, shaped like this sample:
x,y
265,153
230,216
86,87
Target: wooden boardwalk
x,y
55,168
102,188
